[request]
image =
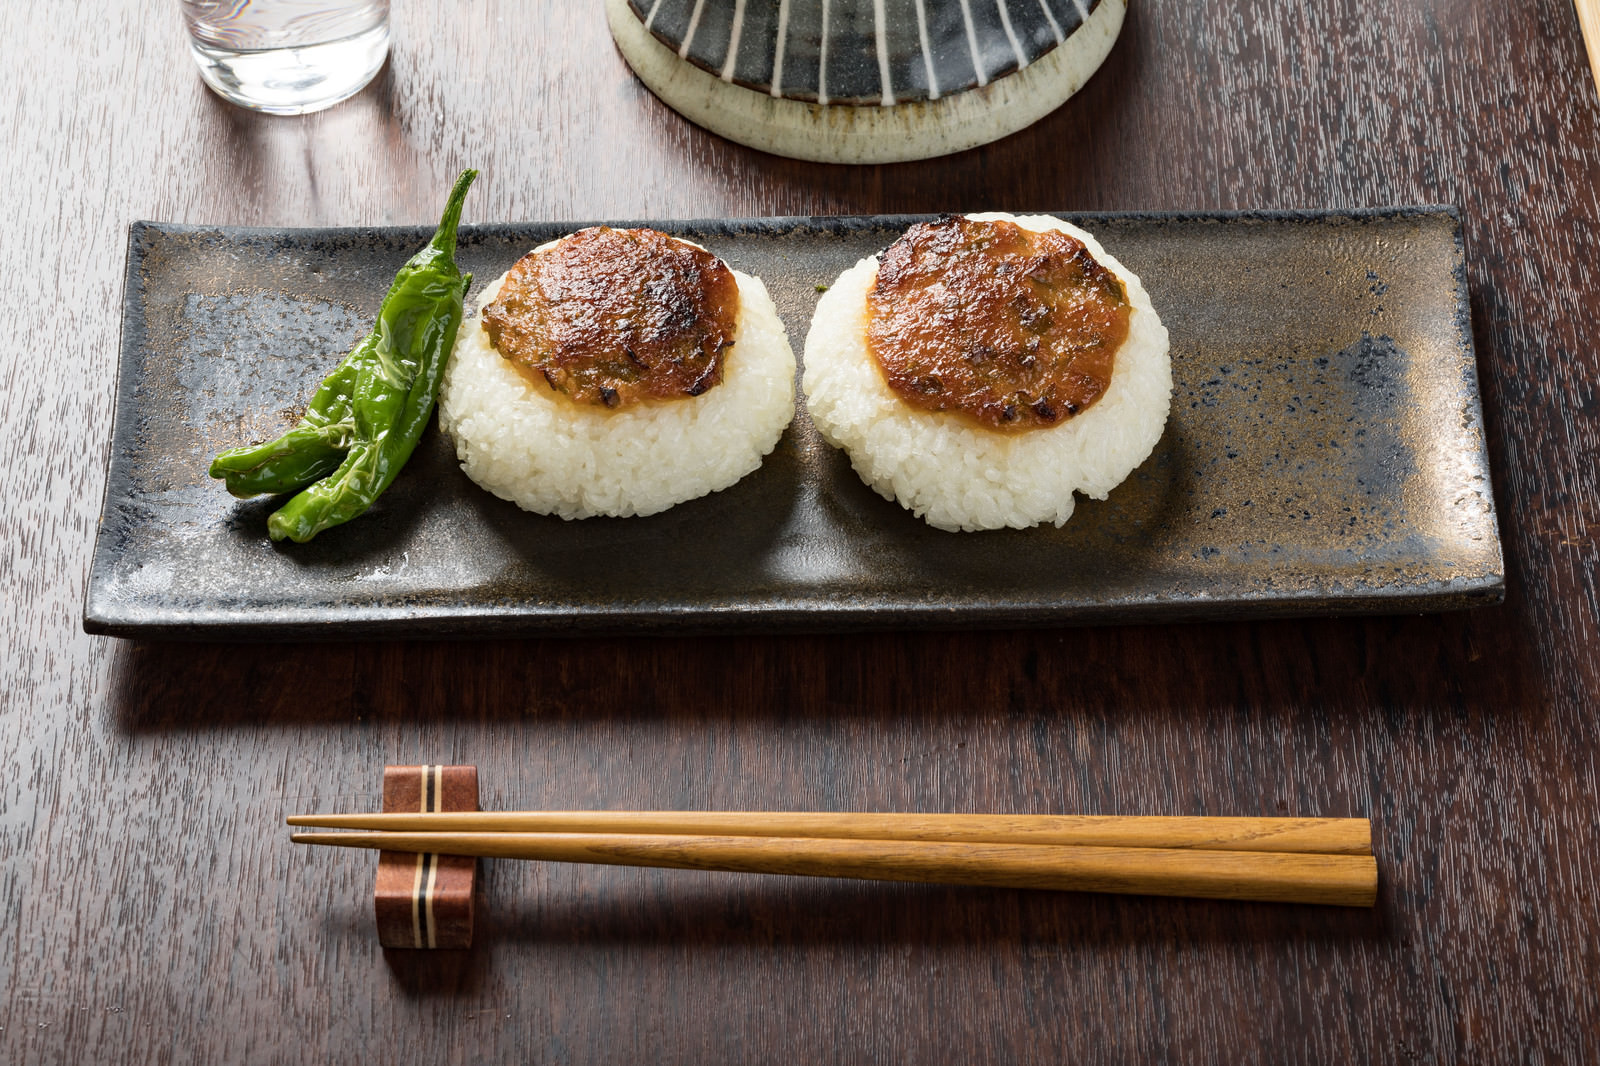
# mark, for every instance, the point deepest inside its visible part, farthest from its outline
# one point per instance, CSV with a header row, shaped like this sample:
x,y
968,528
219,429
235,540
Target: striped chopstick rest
x,y
426,901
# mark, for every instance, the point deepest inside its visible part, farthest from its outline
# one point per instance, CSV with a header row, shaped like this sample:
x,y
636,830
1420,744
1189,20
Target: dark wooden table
x,y
152,910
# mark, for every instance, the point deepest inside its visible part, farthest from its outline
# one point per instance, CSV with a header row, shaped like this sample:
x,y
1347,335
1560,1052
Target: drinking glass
x,y
287,57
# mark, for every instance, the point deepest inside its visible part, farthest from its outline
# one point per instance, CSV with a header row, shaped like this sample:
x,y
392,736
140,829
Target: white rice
x,y
958,475
526,443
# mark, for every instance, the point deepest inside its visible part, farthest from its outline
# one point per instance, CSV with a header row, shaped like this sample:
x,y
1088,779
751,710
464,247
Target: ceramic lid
x,y
862,51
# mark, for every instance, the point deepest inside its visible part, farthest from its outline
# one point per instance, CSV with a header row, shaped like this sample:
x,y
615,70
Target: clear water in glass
x,y
287,57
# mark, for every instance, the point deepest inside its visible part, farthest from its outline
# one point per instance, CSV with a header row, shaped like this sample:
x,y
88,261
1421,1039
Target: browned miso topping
x,y
1012,328
617,316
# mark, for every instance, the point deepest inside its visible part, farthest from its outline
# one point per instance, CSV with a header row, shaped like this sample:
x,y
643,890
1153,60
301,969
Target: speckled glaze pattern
x,y
862,51
1325,454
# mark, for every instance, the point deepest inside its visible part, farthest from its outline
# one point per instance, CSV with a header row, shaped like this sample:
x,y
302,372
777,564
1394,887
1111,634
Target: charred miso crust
x,y
615,317
1011,328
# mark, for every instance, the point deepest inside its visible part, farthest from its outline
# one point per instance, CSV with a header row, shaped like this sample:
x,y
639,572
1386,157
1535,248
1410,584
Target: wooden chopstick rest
x,y
425,900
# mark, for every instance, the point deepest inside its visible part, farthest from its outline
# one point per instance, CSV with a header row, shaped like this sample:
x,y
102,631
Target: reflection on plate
x,y
1325,454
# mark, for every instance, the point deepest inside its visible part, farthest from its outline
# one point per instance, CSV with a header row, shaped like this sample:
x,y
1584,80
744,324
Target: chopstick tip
x,y
314,838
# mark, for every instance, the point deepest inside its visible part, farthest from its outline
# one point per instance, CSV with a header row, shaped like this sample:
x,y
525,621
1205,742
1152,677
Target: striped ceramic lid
x,y
862,51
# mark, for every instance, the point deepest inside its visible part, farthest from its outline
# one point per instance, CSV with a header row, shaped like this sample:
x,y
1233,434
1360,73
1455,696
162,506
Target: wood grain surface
x,y
153,910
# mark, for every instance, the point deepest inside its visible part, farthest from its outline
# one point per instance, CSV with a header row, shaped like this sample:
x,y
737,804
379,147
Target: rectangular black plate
x,y
1325,454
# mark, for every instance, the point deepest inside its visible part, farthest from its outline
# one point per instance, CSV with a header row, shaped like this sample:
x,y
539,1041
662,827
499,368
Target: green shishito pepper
x,y
365,419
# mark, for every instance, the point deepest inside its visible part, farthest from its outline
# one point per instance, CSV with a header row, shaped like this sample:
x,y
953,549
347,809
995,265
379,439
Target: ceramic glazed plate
x,y
1325,454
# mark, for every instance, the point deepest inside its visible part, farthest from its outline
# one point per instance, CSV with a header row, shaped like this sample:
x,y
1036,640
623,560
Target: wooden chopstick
x,y
1589,24
1342,880
1327,836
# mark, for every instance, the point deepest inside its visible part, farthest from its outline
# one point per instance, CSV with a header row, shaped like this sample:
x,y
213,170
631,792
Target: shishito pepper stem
x,y
444,238
394,385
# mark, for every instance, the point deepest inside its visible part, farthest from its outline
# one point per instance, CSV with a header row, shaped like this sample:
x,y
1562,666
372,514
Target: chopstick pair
x,y
1290,860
